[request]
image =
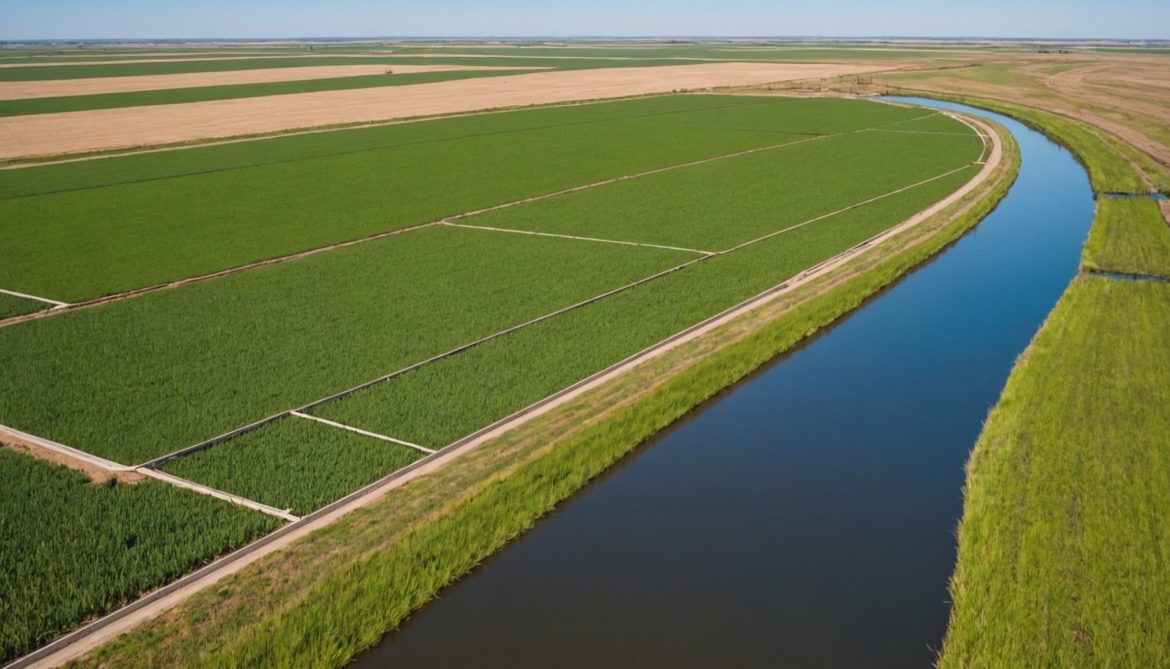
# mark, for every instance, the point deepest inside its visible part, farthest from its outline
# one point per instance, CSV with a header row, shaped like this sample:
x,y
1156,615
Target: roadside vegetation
x,y
1062,548
368,571
1129,236
70,549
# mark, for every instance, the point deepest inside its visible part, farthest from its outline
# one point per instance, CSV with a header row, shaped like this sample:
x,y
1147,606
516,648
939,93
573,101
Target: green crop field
x,y
1129,236
183,365
70,549
294,464
487,321
1062,544
16,306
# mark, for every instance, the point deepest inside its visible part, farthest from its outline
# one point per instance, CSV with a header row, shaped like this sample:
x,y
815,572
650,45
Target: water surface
x,y
804,518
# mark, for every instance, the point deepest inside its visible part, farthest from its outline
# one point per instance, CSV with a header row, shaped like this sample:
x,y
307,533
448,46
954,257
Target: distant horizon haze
x,y
79,20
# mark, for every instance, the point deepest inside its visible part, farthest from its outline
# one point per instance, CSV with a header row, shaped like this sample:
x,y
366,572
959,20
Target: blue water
x,y
804,518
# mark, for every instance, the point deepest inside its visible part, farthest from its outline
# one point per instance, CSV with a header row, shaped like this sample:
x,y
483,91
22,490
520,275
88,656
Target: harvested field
x,y
19,90
73,132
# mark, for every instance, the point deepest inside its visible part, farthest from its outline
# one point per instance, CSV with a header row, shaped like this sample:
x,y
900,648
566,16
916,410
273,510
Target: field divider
x,y
577,238
156,462
56,303
355,430
138,292
283,514
66,451
843,210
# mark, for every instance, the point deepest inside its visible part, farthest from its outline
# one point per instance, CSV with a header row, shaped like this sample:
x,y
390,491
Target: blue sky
x,y
26,19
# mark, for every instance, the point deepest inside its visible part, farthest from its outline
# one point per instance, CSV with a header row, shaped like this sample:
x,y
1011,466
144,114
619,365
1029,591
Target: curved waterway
x,y
805,517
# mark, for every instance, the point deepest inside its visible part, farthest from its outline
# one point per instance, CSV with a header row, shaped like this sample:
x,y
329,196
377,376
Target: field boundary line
x,y
68,451
577,238
118,468
138,292
838,212
56,303
179,482
166,597
413,366
355,430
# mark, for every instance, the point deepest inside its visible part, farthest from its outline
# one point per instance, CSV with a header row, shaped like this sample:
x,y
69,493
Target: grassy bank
x,y
336,592
1128,236
1063,544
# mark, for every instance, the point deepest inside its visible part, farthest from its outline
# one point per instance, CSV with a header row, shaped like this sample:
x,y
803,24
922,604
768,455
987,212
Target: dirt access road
x,y
106,129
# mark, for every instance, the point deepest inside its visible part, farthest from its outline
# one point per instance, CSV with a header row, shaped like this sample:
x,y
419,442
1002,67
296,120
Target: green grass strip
x,y
1129,236
70,550
1063,543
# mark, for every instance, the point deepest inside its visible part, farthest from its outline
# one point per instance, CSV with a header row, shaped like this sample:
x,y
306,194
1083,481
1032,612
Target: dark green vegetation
x,y
15,306
1062,558
454,397
80,230
70,549
368,571
294,464
201,94
179,366
1129,236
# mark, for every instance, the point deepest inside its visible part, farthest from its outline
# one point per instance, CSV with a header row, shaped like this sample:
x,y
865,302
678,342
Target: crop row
x,y
451,398
16,306
70,549
142,377
80,230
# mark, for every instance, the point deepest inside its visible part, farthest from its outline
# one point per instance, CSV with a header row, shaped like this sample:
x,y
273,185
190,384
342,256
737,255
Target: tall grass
x,y
1062,547
1128,236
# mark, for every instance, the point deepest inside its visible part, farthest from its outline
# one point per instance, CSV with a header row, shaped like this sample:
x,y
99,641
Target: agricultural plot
x,y
1128,236
295,464
70,549
180,366
418,338
15,306
81,230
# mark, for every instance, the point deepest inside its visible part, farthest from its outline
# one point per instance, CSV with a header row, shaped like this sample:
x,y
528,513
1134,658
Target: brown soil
x,y
19,90
106,129
97,475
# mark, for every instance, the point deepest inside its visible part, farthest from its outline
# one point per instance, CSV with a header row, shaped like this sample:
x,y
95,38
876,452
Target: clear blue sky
x,y
27,19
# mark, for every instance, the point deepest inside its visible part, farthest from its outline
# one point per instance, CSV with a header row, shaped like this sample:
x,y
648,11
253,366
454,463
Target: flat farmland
x,y
530,249
107,129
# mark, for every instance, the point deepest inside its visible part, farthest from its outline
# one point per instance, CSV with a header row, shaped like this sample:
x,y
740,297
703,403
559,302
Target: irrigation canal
x,y
805,517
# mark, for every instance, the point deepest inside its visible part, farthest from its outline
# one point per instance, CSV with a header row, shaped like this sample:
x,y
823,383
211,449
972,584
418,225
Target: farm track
x,y
62,307
89,637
